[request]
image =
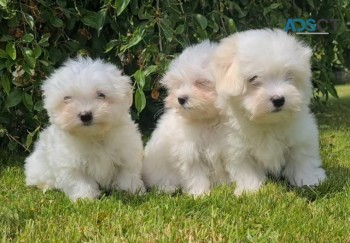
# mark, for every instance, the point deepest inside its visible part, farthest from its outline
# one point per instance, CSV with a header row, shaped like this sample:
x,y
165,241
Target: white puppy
x,y
264,87
92,143
184,150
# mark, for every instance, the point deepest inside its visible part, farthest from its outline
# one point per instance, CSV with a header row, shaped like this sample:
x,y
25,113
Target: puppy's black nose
x,y
86,117
277,101
182,99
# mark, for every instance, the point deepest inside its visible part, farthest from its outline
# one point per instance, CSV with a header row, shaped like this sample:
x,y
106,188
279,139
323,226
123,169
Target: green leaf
x,y
28,38
215,27
180,29
56,55
3,4
140,78
238,8
232,26
2,65
271,7
120,5
55,21
28,69
29,57
13,99
134,6
3,54
44,38
9,64
6,84
202,21
37,52
44,63
101,17
110,45
28,101
136,37
39,106
30,20
6,38
311,3
150,69
11,50
12,145
140,100
328,85
167,30
91,19
29,139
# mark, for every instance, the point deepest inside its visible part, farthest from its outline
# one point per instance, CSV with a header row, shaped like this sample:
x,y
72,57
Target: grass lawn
x,y
278,213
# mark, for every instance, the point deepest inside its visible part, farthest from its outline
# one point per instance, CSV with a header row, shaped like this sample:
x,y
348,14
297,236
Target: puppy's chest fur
x,y
98,159
200,143
268,148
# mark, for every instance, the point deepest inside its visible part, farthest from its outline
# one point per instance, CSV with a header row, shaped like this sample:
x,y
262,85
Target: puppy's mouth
x,y
185,107
181,109
87,124
275,110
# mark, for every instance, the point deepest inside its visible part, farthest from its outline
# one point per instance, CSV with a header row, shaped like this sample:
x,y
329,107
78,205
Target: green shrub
x,y
141,37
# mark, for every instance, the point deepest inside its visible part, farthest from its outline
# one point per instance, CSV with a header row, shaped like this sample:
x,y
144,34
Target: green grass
x,y
278,213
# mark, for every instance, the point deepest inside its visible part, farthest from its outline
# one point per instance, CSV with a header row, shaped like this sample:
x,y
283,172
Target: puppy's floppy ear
x,y
224,66
129,90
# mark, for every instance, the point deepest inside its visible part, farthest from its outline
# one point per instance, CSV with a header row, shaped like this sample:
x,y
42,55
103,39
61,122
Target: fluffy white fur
x,y
92,143
185,148
255,69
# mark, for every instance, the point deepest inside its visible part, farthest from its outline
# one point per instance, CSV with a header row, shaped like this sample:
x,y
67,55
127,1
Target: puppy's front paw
x,y
137,186
198,185
251,187
167,188
311,177
132,185
197,192
85,193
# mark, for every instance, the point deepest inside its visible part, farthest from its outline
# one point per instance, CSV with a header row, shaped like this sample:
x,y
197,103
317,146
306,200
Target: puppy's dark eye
x,y
67,98
101,95
252,79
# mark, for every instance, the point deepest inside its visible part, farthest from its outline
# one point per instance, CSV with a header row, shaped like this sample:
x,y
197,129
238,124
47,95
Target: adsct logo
x,y
311,26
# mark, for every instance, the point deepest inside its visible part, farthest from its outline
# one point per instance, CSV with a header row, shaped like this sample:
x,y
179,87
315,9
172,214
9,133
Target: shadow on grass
x,y
125,197
338,181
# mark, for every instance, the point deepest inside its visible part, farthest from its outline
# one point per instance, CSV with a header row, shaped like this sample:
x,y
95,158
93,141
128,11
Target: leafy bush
x,y
141,37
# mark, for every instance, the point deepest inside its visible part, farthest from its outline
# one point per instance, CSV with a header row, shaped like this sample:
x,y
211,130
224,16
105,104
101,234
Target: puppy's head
x,y
87,96
265,73
190,84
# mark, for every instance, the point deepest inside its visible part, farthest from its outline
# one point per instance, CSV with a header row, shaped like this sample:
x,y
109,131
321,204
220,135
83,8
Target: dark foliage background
x,y
141,37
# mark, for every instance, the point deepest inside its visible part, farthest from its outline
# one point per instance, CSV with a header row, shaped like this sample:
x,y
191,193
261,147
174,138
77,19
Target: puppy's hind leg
x,y
38,172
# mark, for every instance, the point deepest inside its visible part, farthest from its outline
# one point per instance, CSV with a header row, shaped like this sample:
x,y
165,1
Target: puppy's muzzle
x,y
278,101
86,118
182,99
